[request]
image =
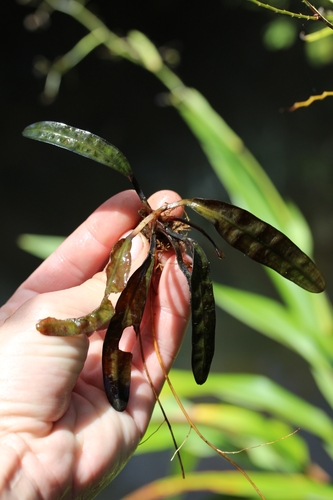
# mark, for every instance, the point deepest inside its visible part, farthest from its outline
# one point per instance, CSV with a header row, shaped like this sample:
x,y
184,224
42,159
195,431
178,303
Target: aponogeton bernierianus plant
x,y
241,229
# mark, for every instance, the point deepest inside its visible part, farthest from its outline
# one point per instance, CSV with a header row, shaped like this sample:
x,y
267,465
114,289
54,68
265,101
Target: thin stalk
x,y
283,11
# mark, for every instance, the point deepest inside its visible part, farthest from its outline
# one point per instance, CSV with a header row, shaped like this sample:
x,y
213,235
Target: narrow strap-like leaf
x,y
203,315
202,305
81,142
129,311
118,267
89,323
261,242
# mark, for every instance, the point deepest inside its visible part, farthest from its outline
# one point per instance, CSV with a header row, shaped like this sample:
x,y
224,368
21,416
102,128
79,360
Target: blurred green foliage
x,y
282,32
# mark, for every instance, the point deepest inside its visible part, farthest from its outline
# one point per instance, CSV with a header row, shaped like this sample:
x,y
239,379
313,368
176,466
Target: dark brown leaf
x,y
202,305
129,312
261,242
117,365
81,142
203,315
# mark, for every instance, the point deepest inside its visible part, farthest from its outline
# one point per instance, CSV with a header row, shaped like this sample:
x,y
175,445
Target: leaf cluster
x,y
241,229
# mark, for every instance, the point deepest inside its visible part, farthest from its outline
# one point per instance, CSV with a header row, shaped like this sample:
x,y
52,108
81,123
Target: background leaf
x,y
39,245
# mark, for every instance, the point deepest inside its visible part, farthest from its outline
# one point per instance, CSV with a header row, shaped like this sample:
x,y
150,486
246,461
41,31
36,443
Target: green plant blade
x,y
117,272
249,186
203,315
260,393
39,245
231,427
274,486
274,320
250,429
261,242
81,142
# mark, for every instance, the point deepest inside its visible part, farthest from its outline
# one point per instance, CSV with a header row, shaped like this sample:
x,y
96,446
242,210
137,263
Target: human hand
x,y
59,436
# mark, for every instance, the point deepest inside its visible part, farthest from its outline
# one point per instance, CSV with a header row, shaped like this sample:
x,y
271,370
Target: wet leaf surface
x,y
117,272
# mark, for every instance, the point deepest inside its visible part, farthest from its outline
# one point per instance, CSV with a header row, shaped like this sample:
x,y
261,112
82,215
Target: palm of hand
x,y
56,421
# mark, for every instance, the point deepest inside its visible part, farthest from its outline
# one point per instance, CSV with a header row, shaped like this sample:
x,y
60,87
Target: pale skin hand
x,y
59,437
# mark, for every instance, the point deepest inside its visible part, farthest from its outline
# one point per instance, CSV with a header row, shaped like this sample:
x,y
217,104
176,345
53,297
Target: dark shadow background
x,y
49,191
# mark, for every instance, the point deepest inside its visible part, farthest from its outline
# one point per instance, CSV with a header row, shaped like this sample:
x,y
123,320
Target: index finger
x,y
83,253
87,249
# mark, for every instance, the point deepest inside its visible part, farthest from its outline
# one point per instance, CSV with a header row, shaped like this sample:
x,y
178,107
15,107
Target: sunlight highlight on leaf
x,y
81,142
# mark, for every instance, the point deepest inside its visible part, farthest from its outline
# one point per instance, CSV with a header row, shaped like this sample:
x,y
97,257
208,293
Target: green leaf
x,y
261,242
38,244
249,187
274,486
119,266
272,319
81,142
246,428
245,181
319,53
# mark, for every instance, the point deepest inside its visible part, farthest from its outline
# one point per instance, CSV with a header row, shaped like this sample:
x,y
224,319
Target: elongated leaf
x,y
81,142
203,315
89,323
230,427
118,267
38,244
260,393
202,305
274,320
129,312
117,271
261,242
275,486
